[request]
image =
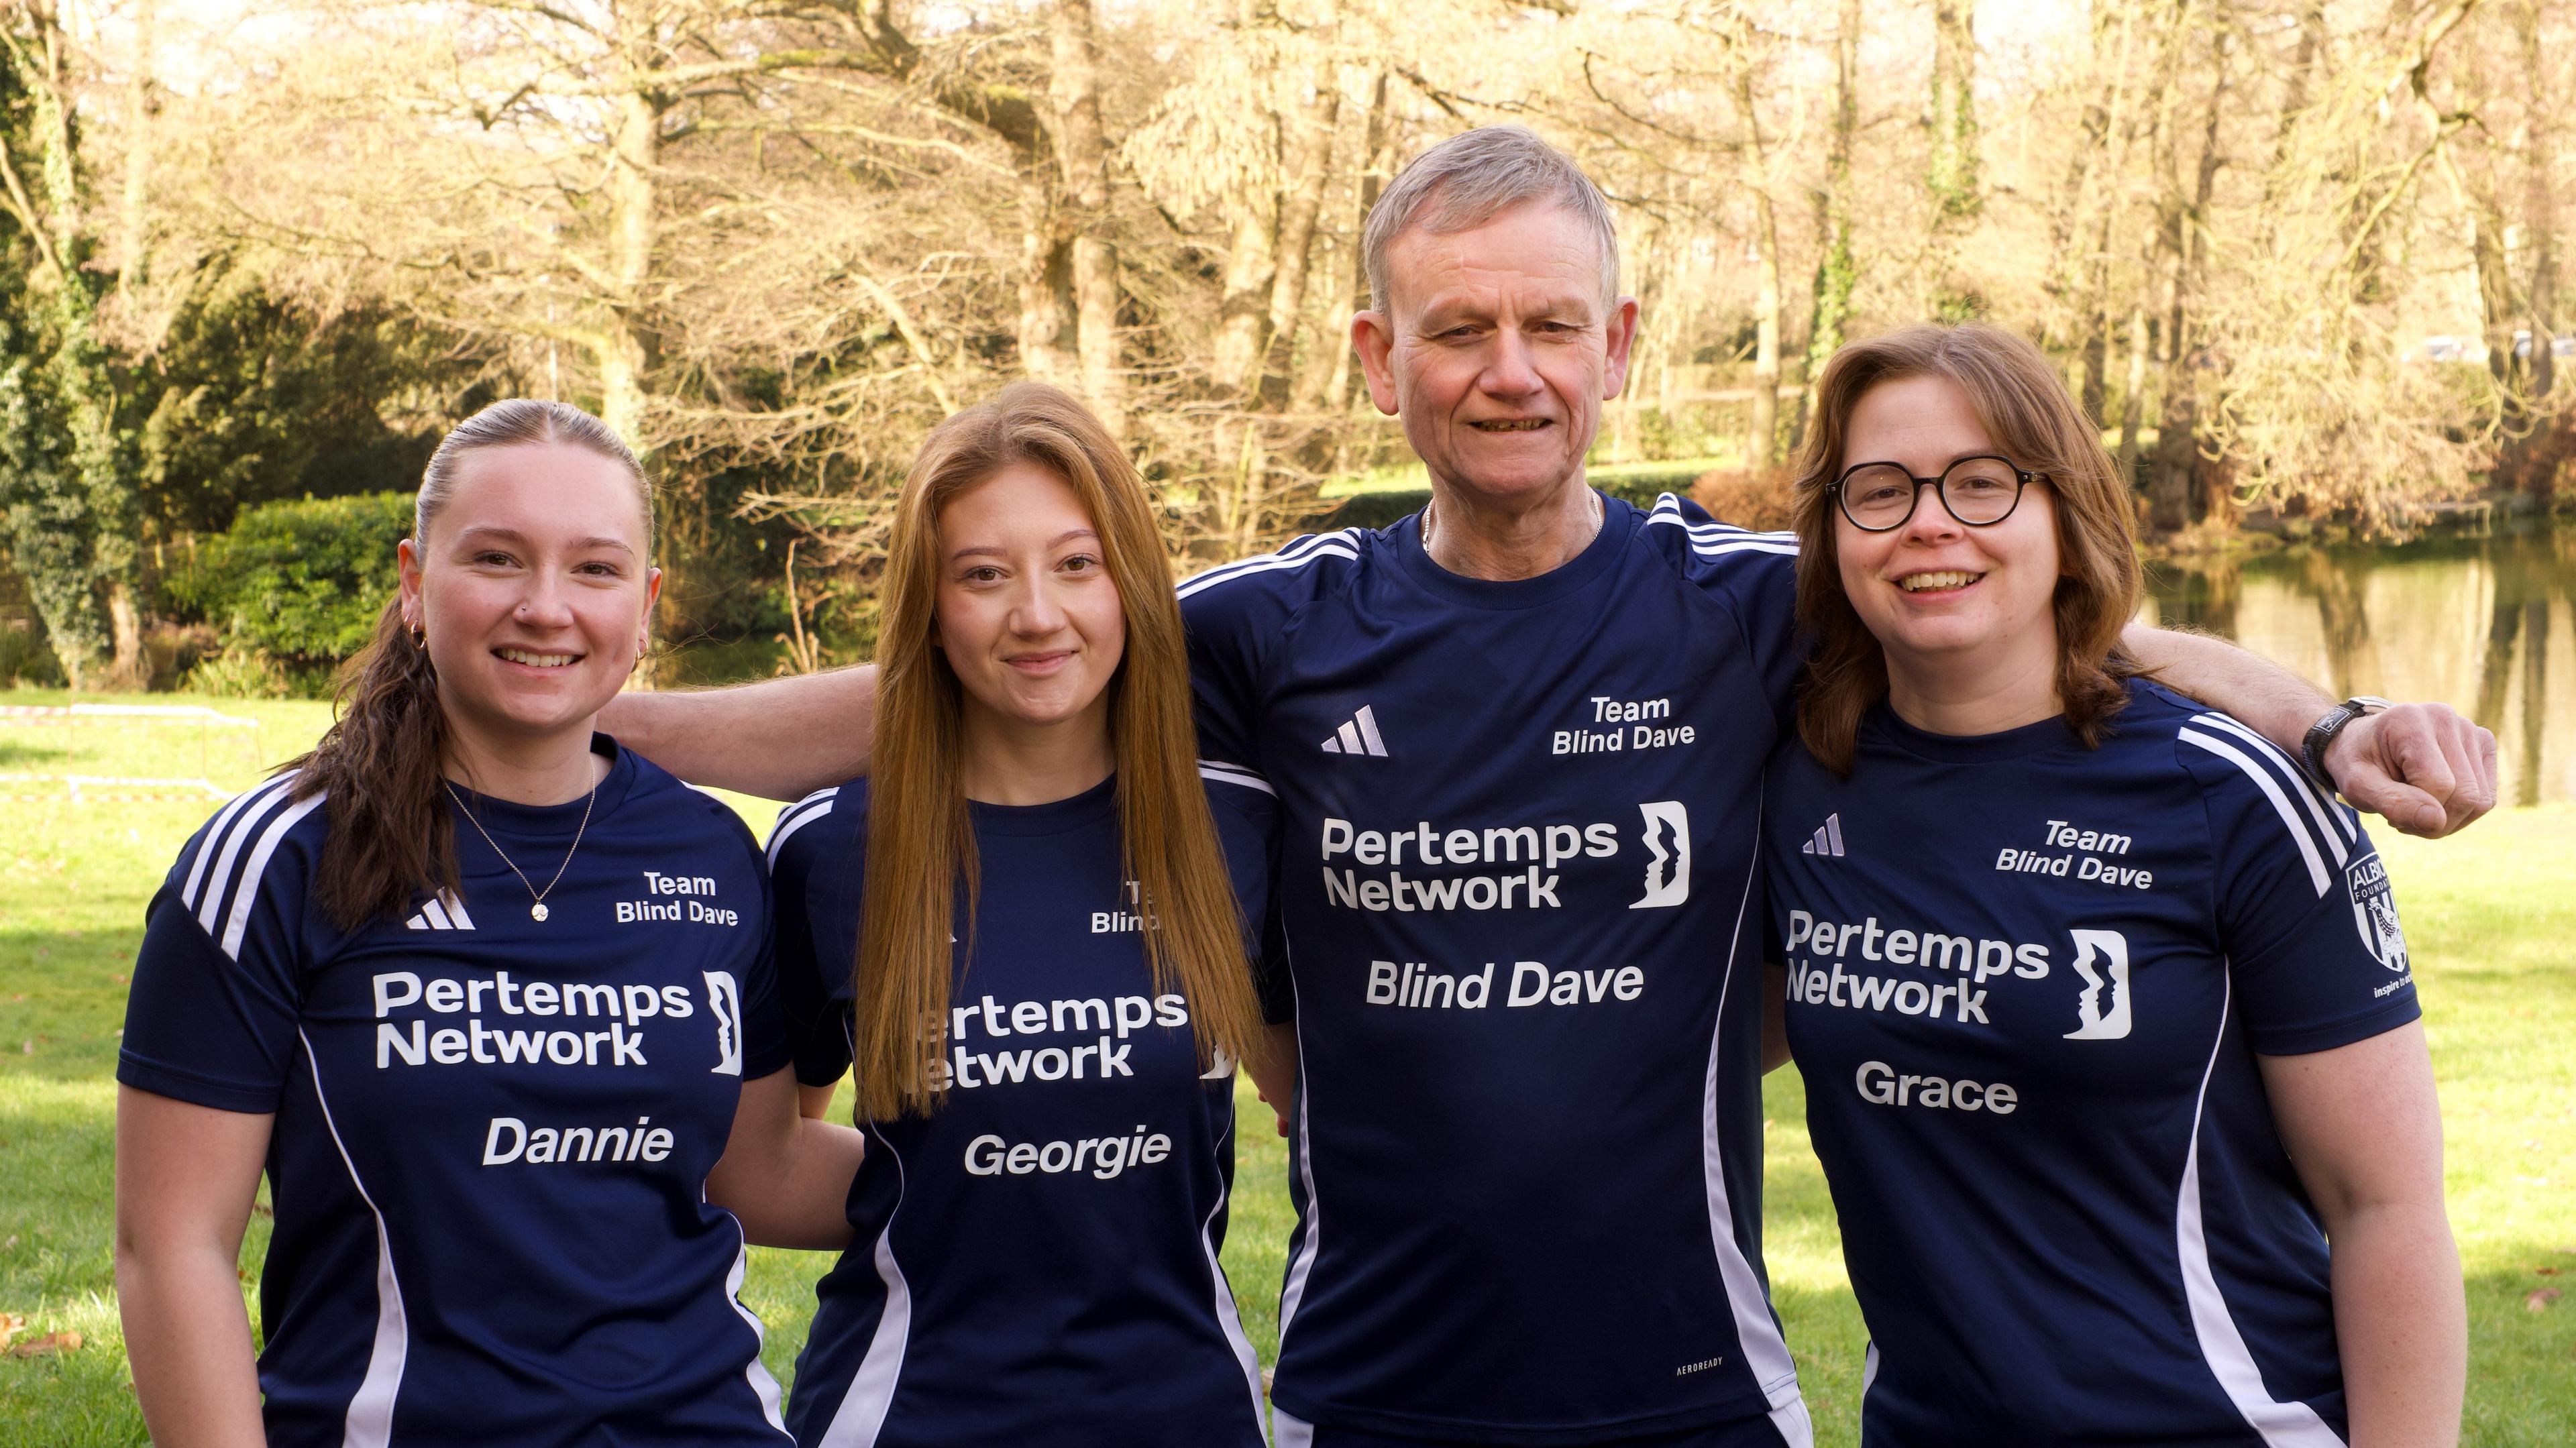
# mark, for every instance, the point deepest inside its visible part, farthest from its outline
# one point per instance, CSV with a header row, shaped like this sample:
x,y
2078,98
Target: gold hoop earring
x,y
420,637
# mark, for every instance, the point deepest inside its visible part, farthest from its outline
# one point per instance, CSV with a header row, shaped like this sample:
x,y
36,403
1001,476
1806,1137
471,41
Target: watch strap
x,y
2321,734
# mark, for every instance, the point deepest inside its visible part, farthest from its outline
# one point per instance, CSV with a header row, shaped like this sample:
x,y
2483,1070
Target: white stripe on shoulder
x,y
1235,774
2331,818
798,815
2271,787
225,879
2283,1425
1723,540
257,795
246,894
1344,544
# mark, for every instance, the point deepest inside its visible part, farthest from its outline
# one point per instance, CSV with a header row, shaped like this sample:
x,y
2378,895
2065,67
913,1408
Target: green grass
x,y
2490,917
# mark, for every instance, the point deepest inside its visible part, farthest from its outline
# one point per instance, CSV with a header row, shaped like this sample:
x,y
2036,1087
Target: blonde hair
x,y
921,846
2026,410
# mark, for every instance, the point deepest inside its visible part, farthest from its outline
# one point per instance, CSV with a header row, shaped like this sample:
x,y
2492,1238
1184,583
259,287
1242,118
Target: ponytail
x,y
377,767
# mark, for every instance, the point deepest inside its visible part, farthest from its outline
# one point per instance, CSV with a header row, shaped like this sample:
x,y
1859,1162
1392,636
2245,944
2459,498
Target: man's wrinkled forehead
x,y
1534,255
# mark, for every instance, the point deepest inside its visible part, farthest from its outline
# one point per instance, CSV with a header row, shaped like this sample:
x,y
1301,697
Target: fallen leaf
x,y
10,1322
2539,1300
49,1345
2546,1271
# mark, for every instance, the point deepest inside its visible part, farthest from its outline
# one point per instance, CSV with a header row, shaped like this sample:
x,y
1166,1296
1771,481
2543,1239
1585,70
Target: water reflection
x,y
2484,622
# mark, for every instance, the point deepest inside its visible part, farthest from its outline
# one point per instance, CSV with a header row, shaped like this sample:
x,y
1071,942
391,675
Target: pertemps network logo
x,y
726,1004
2102,1007
1668,849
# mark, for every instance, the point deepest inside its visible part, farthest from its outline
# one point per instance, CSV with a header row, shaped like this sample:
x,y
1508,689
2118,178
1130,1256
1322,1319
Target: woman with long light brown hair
x,y
2112,1052
1026,928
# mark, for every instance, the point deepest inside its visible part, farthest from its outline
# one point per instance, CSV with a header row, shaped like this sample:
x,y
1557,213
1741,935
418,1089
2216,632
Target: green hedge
x,y
302,581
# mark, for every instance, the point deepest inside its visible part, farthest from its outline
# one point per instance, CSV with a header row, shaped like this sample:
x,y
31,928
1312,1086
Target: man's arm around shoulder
x,y
780,739
2423,767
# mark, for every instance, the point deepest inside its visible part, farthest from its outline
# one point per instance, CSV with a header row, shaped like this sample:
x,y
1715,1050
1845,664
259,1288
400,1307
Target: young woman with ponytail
x,y
1027,928
491,1003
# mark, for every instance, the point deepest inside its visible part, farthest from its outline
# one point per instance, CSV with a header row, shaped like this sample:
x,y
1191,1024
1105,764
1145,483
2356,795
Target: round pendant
x,y
537,911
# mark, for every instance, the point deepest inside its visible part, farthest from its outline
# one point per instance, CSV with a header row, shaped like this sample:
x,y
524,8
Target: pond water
x,y
2485,622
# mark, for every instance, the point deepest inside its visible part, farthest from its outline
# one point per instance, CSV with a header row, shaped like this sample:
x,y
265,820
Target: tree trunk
x,y
627,346
1082,155
1250,268
134,260
1837,269
1951,177
1953,174
2133,396
1310,168
1376,163
1763,440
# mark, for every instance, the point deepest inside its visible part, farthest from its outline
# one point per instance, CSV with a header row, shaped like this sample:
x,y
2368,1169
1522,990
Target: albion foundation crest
x,y
2374,911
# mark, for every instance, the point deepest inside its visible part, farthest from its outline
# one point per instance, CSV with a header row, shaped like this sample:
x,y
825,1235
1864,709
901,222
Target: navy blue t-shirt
x,y
1036,1260
492,1135
1519,825
2027,984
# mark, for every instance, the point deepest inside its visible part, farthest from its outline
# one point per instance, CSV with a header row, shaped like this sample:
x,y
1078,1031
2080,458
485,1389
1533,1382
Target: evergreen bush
x,y
298,583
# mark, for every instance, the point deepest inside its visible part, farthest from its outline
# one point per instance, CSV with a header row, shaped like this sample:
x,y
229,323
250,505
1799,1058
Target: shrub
x,y
240,674
299,582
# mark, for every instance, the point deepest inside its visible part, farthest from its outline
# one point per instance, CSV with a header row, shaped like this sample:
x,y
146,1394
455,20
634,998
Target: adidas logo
x,y
441,912
1358,735
1829,838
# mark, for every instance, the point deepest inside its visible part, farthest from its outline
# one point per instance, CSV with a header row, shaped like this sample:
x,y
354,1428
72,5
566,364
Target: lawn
x,y
2490,917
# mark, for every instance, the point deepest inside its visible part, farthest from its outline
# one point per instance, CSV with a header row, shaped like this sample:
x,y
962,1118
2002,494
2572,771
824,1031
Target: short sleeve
x,y
2306,913
1764,589
217,1000
811,855
1247,822
1228,629
1757,574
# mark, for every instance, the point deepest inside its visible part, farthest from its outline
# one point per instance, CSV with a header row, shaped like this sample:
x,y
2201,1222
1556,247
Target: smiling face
x,y
1944,599
1498,347
1028,615
533,589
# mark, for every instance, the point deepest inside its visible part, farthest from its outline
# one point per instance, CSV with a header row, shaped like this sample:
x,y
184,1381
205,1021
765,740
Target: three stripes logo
x,y
1828,838
442,911
1358,735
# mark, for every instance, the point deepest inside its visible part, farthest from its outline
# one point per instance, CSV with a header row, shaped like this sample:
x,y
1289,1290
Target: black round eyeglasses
x,y
1979,491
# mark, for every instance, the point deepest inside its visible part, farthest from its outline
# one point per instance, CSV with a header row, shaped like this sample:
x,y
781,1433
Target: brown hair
x,y
379,763
2026,410
920,847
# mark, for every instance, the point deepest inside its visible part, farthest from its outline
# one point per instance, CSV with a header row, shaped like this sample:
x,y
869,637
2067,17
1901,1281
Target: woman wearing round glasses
x,y
2112,1052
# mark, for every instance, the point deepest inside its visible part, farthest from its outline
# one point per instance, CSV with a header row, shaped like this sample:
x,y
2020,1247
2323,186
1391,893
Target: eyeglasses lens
x,y
1980,490
1878,497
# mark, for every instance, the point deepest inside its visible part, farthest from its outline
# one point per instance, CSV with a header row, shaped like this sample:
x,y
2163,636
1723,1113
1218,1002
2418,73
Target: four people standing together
x,y
1467,867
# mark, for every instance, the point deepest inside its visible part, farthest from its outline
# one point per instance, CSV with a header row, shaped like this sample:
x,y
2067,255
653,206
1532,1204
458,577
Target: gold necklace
x,y
536,910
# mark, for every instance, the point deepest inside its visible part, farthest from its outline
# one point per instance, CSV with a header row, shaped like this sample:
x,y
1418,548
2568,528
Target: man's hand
x,y
2422,767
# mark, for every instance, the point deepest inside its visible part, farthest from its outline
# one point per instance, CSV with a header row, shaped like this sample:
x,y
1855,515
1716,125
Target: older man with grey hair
x,y
1516,745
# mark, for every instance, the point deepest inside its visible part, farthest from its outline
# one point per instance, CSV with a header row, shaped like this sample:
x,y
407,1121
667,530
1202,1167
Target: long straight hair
x,y
921,849
379,763
2026,410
